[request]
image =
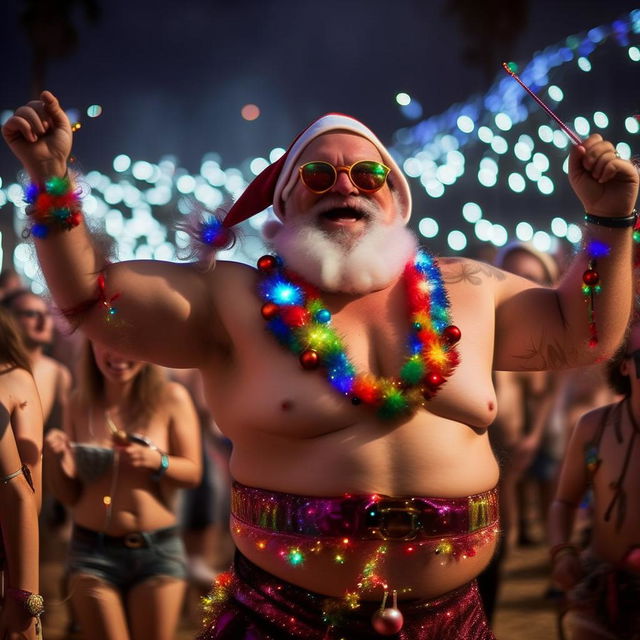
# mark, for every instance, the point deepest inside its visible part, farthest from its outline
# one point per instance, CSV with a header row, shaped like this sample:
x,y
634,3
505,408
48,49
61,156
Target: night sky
x,y
172,75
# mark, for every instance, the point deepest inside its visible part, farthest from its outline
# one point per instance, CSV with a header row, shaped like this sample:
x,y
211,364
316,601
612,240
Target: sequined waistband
x,y
363,517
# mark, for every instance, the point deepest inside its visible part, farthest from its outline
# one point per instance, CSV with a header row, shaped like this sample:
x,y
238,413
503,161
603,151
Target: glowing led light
x,y
581,125
250,112
574,233
600,119
434,188
524,231
499,235
584,64
555,93
94,111
114,223
485,134
624,150
540,161
471,212
483,230
6,114
545,133
412,167
560,139
631,125
121,163
541,241
403,99
465,124
499,144
634,54
489,164
522,151
446,174
545,184
503,121
186,184
456,240
487,178
113,194
428,227
565,165
559,227
527,140
258,165
142,170
276,153
516,182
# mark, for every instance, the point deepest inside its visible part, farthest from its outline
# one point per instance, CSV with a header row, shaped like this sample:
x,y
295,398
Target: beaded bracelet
x,y
612,223
54,205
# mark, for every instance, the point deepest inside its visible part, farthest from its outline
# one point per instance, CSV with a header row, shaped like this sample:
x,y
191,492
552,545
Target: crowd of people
x,y
388,428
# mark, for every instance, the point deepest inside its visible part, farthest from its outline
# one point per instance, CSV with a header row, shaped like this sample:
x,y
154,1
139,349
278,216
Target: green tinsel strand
x,y
412,371
393,404
57,186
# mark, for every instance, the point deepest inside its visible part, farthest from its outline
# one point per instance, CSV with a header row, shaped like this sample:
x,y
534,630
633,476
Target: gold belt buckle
x,y
398,521
134,540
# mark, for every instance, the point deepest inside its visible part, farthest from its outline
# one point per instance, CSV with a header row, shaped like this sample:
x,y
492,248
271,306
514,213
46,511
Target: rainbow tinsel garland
x,y
297,317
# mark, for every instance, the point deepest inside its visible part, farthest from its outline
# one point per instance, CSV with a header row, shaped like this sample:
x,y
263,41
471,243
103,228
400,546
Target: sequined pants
x,y
259,606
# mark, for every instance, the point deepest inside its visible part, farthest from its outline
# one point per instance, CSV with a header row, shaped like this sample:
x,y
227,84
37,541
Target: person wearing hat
x,y
351,371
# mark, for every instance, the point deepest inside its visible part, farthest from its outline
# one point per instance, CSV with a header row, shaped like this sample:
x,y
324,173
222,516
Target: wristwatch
x,y
33,603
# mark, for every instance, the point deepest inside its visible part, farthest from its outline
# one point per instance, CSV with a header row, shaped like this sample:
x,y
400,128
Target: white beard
x,y
336,262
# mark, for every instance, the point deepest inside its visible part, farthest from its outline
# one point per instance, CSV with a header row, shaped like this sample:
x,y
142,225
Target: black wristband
x,y
612,223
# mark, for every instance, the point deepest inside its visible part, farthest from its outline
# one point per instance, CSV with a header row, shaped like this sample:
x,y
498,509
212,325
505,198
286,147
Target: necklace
x,y
300,321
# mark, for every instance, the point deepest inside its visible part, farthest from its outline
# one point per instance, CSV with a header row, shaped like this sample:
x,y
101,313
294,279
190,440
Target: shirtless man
x,y
52,377
331,508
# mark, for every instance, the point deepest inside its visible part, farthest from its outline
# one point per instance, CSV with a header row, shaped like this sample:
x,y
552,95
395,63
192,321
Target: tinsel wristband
x,y
612,223
53,205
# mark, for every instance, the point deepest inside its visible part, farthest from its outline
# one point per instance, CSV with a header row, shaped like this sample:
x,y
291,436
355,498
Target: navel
x,y
286,405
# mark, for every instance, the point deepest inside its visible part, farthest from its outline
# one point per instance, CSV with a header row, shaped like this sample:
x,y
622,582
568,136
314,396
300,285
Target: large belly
x,y
339,566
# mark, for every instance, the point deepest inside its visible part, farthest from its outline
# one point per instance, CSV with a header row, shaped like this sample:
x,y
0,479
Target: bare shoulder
x,y
473,272
175,394
590,422
230,274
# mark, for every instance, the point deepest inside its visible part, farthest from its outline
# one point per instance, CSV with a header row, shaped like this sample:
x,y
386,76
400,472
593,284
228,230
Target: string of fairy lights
x,y
499,142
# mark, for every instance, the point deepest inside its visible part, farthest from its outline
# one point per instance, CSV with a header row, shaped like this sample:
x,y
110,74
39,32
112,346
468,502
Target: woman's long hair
x,y
145,392
12,349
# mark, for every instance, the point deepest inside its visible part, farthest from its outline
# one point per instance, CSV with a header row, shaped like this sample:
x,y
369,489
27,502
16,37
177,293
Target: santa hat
x,y
273,185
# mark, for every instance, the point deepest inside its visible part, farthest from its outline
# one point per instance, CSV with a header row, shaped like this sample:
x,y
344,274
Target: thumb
x,y
54,110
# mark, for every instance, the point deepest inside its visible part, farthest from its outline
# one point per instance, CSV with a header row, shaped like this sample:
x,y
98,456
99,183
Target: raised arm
x,y
541,328
154,297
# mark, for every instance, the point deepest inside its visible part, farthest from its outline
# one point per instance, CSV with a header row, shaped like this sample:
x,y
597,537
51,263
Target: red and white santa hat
x,y
273,185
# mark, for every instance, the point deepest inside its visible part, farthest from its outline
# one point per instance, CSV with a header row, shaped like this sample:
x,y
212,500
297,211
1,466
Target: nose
x,y
343,184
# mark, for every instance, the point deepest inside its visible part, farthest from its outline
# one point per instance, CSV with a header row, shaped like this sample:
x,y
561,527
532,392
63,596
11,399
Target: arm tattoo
x,y
471,272
544,356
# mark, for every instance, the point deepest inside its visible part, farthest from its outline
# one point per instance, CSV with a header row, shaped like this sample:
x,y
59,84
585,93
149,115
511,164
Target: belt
x,y
132,540
363,516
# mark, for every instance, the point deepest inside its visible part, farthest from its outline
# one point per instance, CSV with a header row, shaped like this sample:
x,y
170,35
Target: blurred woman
x,y
131,439
20,471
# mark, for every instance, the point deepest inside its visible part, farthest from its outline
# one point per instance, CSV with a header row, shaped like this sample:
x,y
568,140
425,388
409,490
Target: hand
x,y
39,134
567,571
605,184
140,457
16,623
58,444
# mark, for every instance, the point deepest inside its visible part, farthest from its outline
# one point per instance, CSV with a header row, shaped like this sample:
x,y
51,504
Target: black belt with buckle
x,y
131,540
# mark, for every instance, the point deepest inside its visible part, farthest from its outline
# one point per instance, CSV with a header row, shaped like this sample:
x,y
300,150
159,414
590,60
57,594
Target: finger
x,y
38,107
53,108
601,162
16,127
32,117
595,152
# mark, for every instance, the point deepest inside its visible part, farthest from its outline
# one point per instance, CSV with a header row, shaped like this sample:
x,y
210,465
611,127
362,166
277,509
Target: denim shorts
x,y
128,560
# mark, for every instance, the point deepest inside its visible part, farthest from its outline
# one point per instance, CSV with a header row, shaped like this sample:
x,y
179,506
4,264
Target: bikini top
x,y
92,461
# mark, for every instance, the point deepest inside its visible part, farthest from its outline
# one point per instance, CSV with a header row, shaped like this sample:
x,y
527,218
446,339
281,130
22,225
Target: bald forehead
x,y
340,147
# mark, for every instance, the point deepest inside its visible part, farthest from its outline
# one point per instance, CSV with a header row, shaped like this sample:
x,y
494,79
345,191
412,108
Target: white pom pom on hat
x,y
273,185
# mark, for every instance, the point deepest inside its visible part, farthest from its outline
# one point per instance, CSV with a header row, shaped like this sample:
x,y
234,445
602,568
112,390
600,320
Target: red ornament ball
x,y
266,263
435,379
591,277
269,310
387,621
309,359
452,334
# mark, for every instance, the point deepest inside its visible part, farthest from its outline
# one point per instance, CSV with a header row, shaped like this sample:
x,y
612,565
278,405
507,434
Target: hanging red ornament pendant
x,y
388,621
590,287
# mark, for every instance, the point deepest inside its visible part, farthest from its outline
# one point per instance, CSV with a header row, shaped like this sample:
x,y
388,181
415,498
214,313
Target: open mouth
x,y
342,214
118,366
